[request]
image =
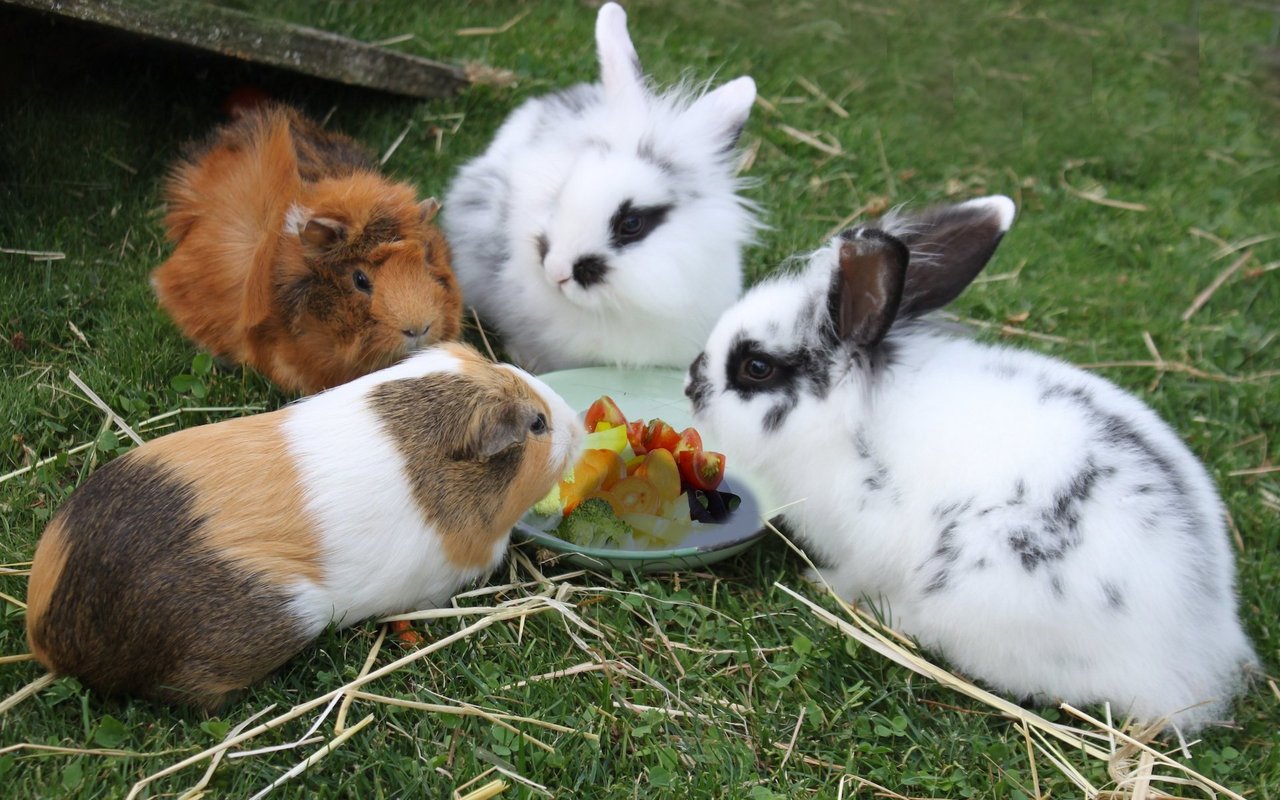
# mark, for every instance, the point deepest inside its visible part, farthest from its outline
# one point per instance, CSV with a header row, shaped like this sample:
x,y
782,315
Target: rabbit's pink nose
x,y
558,271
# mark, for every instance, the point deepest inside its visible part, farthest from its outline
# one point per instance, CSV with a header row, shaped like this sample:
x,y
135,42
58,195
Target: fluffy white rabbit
x,y
1040,527
603,225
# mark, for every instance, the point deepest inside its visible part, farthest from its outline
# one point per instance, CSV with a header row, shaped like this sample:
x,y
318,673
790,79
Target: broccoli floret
x,y
593,524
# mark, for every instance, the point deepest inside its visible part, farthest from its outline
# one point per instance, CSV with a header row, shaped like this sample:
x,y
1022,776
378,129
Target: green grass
x,y
1160,108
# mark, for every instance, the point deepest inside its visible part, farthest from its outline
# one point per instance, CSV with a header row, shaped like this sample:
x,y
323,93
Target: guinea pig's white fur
x,y
410,573
210,556
534,221
1037,525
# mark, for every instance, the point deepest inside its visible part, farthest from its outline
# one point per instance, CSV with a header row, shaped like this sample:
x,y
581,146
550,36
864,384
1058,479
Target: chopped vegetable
x,y
607,463
712,506
637,483
660,435
403,630
592,524
604,410
549,505
635,436
689,440
660,530
614,439
701,469
632,495
659,468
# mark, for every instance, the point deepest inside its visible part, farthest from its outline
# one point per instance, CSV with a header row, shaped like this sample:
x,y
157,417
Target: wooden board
x,y
264,41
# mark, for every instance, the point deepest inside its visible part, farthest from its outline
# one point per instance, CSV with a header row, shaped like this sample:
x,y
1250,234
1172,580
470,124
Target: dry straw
x,y
1137,770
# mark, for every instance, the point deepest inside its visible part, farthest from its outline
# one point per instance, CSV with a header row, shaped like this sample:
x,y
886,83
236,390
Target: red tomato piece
x,y
689,440
701,469
604,410
635,437
660,436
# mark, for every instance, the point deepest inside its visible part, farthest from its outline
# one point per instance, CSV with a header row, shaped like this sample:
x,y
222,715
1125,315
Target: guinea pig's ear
x,y
499,426
949,247
866,288
320,234
428,209
620,70
725,110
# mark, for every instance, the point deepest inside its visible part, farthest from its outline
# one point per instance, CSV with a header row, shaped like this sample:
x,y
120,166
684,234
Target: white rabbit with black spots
x,y
1038,526
603,224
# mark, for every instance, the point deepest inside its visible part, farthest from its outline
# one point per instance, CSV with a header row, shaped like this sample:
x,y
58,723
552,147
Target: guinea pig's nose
x,y
411,333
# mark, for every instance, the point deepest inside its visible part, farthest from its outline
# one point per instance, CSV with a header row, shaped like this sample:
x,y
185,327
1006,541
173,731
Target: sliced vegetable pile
x,y
637,478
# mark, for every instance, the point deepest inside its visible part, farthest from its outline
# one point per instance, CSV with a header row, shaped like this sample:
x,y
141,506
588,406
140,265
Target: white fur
x,y
559,167
380,555
295,219
951,422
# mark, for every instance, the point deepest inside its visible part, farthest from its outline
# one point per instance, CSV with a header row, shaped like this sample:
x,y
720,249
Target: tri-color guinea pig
x,y
200,562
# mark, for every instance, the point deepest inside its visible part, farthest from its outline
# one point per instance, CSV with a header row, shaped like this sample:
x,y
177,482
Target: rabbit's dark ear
x,y
866,288
949,247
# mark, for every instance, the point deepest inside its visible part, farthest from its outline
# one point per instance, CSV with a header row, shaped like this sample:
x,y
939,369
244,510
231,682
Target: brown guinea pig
x,y
296,257
200,562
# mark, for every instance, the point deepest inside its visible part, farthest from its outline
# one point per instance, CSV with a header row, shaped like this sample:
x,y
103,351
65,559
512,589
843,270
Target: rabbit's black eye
x,y
539,425
756,370
362,282
631,223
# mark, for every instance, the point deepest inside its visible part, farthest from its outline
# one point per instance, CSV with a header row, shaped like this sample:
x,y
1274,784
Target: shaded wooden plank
x,y
264,41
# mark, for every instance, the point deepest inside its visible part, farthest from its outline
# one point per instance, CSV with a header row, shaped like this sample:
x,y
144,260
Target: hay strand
x,y
311,760
112,415
8,598
877,641
35,255
822,97
1196,778
503,28
518,608
30,690
395,144
1097,195
489,790
341,722
1208,292
484,338
198,790
812,140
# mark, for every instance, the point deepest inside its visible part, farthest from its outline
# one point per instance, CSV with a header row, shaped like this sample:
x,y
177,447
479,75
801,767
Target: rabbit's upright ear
x,y
724,111
866,288
949,247
620,70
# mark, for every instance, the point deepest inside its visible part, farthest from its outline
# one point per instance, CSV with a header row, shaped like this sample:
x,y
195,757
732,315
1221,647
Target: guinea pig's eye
x,y
756,369
362,282
539,425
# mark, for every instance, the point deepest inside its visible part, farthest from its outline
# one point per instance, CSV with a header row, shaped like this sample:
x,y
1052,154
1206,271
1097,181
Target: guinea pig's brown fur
x,y
192,541
296,257
202,561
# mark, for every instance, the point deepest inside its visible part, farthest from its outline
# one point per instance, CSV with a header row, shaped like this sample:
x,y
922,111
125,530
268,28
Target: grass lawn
x,y
1139,139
